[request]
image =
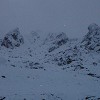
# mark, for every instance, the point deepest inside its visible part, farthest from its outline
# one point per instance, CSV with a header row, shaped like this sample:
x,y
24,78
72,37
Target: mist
x,y
69,16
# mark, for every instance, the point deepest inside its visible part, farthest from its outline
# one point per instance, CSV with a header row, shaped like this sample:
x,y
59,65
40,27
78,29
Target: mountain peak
x,y
91,40
93,27
55,40
13,39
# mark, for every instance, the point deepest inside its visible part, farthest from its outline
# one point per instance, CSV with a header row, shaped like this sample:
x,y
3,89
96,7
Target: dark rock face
x,y
12,39
55,40
92,40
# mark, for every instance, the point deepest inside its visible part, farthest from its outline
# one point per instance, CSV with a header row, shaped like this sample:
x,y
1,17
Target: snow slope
x,y
69,72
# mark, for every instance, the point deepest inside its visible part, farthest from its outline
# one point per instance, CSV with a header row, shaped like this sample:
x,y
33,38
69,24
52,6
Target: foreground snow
x,y
49,84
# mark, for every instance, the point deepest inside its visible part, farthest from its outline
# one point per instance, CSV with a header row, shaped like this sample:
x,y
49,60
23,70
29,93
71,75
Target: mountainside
x,y
55,68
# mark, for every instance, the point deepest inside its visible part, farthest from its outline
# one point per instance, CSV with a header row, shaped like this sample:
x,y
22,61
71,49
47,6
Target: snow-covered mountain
x,y
12,39
92,40
55,40
54,68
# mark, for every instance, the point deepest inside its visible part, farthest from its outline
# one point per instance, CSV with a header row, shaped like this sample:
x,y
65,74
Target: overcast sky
x,y
70,16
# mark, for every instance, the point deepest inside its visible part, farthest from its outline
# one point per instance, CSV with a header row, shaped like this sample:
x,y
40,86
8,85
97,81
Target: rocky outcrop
x,y
91,41
70,57
13,39
55,40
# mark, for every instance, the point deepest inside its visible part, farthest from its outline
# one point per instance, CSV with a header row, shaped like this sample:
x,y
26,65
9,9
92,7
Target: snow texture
x,y
69,72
